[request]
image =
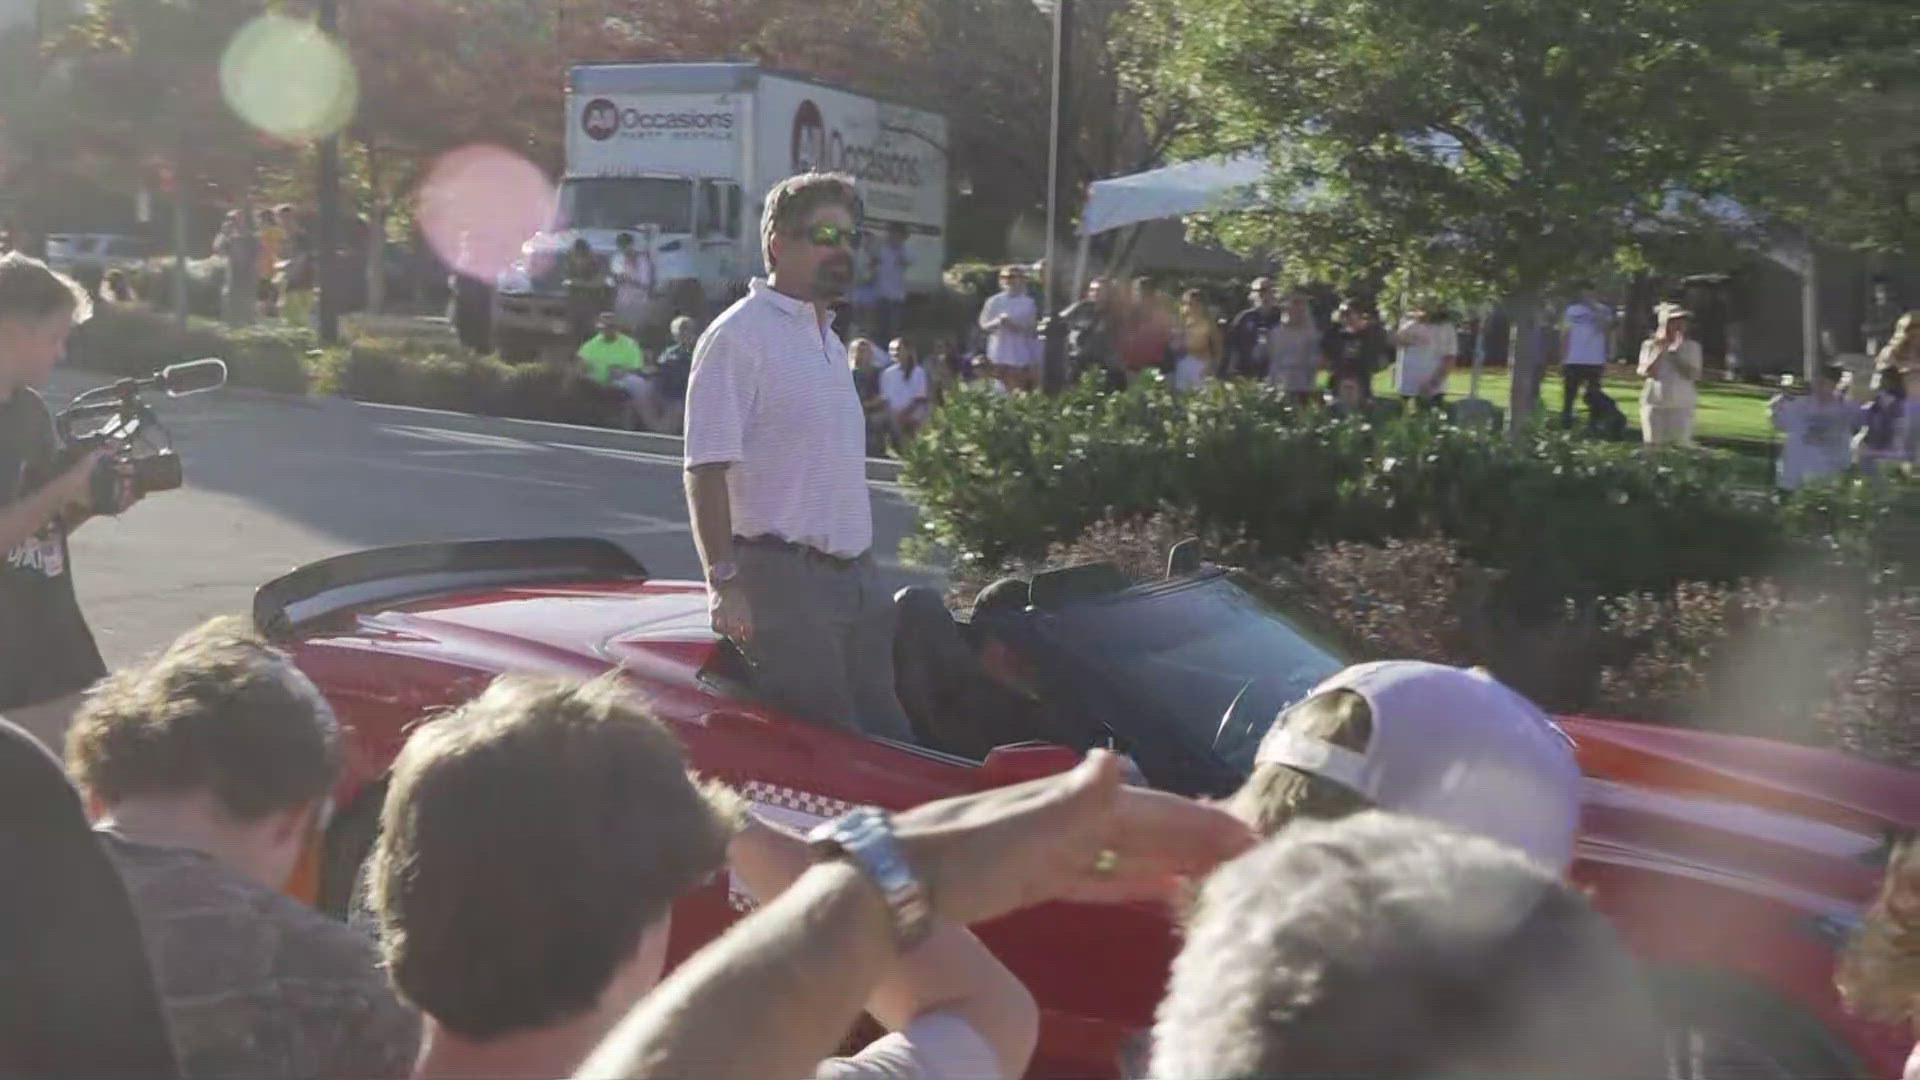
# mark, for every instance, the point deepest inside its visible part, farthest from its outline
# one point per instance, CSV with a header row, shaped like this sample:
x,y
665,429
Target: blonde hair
x,y
1274,795
1879,972
1904,343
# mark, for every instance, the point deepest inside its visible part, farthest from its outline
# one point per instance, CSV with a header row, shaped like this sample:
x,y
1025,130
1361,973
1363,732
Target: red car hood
x,y
658,628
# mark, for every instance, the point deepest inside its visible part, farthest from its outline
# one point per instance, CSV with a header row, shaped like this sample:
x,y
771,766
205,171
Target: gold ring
x,y
1106,862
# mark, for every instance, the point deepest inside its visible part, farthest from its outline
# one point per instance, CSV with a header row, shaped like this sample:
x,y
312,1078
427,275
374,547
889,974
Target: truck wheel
x,y
1722,1028
517,346
343,863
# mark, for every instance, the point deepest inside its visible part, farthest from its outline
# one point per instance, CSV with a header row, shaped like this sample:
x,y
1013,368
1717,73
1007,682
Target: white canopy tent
x,y
1189,187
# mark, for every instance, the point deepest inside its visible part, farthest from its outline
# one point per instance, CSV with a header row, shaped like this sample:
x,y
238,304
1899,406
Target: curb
x,y
879,470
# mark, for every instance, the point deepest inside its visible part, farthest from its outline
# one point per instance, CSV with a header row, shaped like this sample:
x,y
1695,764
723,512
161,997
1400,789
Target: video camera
x,y
115,418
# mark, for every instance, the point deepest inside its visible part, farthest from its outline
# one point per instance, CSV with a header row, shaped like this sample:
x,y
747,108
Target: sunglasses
x,y
830,236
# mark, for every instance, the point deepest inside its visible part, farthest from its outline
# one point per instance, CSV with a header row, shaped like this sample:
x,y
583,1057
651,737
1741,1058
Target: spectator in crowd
x,y
1147,330
662,402
585,277
1011,320
47,652
905,388
524,982
1429,347
1585,346
119,287
862,357
272,245
1348,396
1367,738
890,265
1884,310
1355,348
610,356
1246,355
77,996
210,767
1671,364
1293,349
987,376
1879,971
1200,343
532,845
777,476
632,272
1902,349
1817,427
1382,946
1090,336
1882,439
775,996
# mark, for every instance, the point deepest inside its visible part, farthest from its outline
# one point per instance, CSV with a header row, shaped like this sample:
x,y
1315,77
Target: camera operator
x,y
47,653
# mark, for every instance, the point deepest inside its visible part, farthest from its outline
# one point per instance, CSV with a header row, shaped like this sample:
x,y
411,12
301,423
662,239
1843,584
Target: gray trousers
x,y
822,645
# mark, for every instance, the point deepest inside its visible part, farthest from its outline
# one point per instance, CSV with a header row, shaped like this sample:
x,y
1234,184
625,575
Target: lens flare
x,y
288,79
478,204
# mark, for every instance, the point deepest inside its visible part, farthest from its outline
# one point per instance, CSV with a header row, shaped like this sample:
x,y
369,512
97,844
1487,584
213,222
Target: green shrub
x,y
1561,517
132,340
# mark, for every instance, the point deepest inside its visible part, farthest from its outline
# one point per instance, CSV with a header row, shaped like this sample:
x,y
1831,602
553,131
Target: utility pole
x,y
327,233
1058,162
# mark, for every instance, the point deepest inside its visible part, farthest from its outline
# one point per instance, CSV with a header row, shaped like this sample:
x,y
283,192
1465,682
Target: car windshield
x,y
627,202
1200,649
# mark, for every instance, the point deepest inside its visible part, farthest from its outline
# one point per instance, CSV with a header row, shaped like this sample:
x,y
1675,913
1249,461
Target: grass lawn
x,y
1729,412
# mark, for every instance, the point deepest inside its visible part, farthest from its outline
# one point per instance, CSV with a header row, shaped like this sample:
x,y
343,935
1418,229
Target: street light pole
x,y
327,232
1057,161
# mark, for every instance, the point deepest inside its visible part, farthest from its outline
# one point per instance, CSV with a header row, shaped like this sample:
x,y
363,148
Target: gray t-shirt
x,y
255,985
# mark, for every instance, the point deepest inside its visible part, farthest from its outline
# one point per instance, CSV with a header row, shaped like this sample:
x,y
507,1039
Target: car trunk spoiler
x,y
408,572
1823,784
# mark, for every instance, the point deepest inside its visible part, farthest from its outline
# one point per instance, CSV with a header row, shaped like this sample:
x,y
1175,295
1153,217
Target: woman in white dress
x,y
1671,362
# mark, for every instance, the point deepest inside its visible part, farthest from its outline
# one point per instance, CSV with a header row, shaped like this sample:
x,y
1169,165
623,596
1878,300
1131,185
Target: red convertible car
x,y
1735,867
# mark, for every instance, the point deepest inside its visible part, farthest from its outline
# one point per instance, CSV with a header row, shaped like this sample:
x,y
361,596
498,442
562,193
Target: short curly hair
x,y
529,839
218,710
794,199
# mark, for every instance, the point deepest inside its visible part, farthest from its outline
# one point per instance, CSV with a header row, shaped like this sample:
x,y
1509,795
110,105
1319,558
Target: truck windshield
x,y
626,202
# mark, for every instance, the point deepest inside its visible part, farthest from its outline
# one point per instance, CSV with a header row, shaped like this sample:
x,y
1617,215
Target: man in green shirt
x,y
610,354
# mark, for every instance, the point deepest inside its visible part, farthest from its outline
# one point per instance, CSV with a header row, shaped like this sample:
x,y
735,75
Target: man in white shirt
x,y
1586,327
1429,345
904,386
1011,320
776,475
890,263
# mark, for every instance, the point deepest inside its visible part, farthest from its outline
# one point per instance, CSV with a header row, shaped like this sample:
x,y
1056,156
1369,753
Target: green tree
x,y
1489,148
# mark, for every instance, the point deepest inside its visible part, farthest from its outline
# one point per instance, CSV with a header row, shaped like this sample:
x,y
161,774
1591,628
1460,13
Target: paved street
x,y
274,482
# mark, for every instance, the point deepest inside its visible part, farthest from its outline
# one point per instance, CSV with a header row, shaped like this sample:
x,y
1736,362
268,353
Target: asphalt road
x,y
274,482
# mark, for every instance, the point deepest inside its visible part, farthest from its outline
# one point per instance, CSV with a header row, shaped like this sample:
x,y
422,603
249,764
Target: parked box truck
x,y
682,156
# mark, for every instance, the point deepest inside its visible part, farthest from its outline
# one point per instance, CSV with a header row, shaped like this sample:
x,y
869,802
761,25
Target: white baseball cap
x,y
1452,746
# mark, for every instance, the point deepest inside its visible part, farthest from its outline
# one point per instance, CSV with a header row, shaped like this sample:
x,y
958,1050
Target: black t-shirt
x,y
46,650
1244,357
1089,334
1361,354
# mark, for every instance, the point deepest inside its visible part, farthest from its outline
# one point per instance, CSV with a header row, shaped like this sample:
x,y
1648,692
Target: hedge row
x,y
124,340
1564,517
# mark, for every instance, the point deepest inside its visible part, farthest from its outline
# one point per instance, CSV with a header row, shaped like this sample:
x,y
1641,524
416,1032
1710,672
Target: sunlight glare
x,y
478,204
288,79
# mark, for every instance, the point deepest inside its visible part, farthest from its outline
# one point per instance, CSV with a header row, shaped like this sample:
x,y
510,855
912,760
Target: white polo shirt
x,y
771,395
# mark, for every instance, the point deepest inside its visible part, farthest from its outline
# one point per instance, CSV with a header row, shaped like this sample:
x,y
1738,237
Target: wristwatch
x,y
864,838
722,573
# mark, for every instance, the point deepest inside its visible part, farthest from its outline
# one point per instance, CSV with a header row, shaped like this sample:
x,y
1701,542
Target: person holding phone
x,y
1671,363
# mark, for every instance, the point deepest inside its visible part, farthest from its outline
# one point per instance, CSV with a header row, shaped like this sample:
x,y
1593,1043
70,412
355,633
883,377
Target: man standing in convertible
x,y
777,480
